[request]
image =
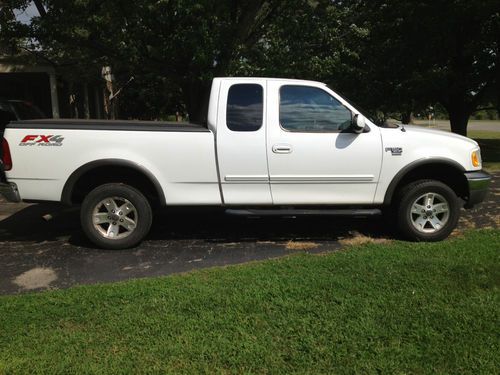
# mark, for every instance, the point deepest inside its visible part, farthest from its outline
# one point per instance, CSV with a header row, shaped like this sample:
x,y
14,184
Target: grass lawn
x,y
392,308
490,148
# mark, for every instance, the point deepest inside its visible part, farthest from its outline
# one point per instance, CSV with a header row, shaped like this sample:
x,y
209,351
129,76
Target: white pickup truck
x,y
270,146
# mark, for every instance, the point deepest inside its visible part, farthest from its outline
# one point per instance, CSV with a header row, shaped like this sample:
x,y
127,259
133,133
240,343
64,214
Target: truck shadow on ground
x,y
42,252
51,222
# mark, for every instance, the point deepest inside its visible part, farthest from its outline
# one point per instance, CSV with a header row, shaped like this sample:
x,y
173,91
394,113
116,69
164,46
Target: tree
x,y
176,46
302,41
392,56
422,52
10,29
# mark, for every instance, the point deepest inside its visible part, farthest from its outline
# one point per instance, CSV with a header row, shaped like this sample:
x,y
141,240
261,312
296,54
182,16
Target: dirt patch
x,y
361,239
293,245
36,278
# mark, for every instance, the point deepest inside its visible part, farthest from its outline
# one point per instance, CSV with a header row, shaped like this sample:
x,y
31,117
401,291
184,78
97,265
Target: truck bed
x,y
122,125
181,157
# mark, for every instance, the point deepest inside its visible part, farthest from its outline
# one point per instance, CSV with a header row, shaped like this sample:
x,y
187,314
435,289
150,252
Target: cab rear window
x,y
245,107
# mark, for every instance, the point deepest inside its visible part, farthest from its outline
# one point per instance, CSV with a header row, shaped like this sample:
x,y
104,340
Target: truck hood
x,y
434,132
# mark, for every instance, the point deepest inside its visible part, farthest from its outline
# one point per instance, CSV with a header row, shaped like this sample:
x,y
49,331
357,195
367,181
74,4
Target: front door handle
x,y
282,149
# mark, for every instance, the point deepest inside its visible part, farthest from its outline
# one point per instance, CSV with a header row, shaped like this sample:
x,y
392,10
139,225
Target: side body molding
x,y
413,165
73,178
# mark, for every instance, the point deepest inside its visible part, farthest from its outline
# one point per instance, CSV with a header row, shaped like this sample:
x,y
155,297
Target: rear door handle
x,y
282,149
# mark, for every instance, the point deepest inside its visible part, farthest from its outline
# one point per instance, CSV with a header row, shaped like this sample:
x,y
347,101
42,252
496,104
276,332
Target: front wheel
x,y
115,216
428,210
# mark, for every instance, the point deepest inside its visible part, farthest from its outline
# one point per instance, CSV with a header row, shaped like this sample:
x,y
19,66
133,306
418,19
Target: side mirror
x,y
358,123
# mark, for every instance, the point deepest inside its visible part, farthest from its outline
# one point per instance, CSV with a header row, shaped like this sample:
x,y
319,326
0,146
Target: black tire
x,y
408,221
132,226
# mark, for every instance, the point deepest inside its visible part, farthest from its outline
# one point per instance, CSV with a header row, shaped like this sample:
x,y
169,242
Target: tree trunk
x,y
459,118
407,117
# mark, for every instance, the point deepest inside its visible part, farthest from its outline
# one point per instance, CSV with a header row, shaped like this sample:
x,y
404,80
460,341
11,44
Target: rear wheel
x,y
427,210
115,216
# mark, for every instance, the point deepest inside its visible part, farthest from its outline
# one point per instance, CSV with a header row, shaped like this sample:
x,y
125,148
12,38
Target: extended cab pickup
x,y
269,146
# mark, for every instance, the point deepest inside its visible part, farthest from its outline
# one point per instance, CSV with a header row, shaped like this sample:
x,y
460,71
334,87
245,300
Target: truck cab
x,y
289,142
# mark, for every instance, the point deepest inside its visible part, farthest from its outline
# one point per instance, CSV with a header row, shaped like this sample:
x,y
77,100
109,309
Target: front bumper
x,y
479,182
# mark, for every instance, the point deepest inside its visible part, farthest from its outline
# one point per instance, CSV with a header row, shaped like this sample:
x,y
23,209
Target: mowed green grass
x,y
489,141
392,308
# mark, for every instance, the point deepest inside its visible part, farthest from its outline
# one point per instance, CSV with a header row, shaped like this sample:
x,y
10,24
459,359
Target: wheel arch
x,y
134,173
445,170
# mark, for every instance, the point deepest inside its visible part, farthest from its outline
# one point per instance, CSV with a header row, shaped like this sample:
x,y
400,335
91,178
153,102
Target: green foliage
x,y
422,52
11,30
486,114
389,308
393,57
173,47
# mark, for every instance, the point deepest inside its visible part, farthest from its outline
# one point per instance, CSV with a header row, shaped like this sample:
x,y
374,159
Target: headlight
x,y
476,158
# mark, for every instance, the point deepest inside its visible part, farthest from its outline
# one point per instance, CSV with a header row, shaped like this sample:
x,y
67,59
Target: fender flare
x,y
389,193
80,171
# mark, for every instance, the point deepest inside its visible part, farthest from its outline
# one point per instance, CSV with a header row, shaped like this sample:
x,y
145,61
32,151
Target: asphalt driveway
x,y
42,246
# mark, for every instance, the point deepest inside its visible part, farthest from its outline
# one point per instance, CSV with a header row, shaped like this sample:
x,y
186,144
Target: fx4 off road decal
x,y
42,140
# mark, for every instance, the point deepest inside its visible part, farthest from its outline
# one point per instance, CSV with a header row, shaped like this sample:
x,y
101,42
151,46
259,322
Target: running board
x,y
304,212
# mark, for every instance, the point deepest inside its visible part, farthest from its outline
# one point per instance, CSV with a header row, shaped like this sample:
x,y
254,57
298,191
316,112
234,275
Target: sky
x,y
26,15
